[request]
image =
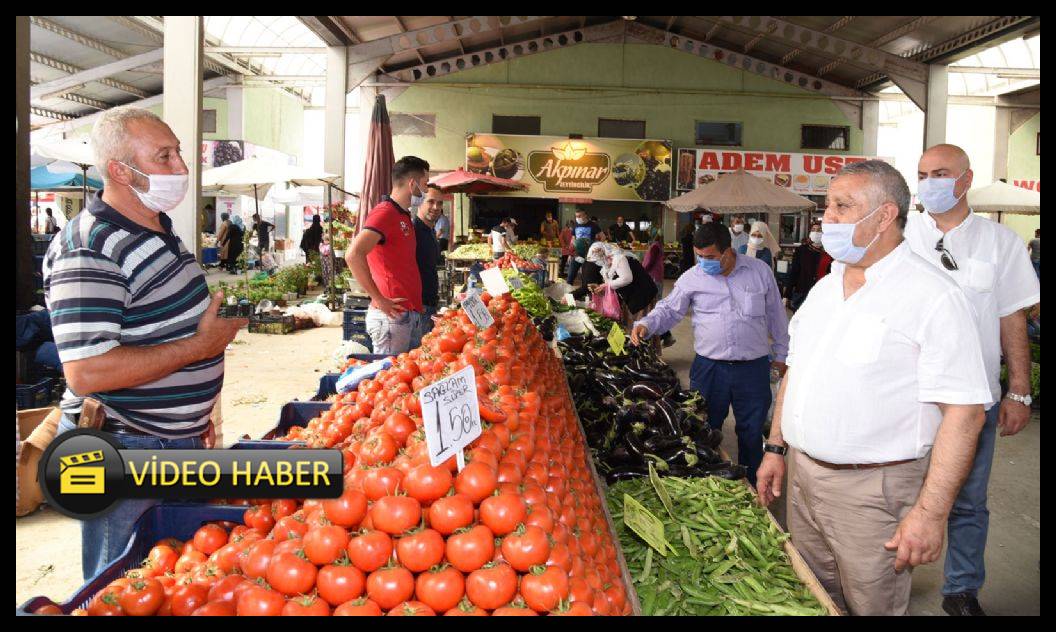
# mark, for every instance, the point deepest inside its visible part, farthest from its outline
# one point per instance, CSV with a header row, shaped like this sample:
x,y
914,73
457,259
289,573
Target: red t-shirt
x,y
392,262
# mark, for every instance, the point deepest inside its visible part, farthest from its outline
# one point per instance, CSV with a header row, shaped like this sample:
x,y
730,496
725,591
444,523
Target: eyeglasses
x,y
946,258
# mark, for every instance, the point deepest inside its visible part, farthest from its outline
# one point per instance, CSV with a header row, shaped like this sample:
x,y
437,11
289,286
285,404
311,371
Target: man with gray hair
x,y
881,405
988,261
140,339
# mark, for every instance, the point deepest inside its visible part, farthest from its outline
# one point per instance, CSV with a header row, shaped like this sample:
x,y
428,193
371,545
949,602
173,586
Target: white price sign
x,y
477,312
494,282
450,415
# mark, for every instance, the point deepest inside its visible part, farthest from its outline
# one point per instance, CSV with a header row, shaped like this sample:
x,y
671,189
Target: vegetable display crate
x,y
356,301
363,339
355,322
35,395
328,382
276,325
292,414
179,520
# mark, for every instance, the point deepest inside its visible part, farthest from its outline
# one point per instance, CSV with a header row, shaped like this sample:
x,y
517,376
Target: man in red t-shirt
x,y
382,258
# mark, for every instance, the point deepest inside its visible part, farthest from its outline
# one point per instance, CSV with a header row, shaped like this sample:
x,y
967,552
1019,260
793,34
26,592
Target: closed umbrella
x,y
377,173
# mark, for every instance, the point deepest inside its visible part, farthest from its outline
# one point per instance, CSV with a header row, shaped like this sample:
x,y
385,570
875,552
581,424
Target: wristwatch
x,y
776,449
1022,399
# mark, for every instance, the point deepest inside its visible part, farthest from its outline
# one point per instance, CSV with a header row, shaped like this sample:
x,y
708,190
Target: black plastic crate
x,y
357,301
40,246
278,325
35,395
177,520
355,322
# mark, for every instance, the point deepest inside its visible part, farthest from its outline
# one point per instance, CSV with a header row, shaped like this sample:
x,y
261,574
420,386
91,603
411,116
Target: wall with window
x,y
670,91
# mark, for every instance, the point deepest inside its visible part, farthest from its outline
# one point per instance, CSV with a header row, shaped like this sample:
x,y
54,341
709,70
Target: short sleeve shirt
x,y
427,253
392,261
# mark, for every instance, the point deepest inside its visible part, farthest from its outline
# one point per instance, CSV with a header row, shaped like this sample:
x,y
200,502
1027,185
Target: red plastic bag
x,y
607,303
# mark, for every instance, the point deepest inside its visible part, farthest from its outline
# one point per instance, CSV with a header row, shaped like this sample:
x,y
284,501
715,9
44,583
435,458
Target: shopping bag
x,y
607,303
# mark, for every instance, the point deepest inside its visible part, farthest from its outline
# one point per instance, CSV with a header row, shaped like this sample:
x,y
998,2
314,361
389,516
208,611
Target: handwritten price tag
x,y
477,312
646,525
494,283
616,339
450,415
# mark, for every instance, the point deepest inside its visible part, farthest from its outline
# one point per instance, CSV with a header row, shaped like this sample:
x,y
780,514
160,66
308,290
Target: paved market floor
x,y
263,372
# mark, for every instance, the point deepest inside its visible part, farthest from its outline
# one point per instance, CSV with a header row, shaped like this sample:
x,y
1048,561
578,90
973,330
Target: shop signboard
x,y
804,174
560,167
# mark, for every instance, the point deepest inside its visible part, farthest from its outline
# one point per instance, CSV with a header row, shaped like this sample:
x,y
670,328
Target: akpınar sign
x,y
569,167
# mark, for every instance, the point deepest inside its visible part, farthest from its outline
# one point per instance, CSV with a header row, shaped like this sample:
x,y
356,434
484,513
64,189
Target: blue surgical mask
x,y
838,240
936,194
417,197
709,266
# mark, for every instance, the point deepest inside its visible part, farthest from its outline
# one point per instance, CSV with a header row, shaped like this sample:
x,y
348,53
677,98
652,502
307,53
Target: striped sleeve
x,y
87,295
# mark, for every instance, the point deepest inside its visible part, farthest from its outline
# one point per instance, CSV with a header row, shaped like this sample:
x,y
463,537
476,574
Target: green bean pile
x,y
730,558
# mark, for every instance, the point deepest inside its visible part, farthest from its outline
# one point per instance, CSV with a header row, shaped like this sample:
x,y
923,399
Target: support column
x,y
870,127
182,110
1002,135
234,96
334,123
935,112
25,290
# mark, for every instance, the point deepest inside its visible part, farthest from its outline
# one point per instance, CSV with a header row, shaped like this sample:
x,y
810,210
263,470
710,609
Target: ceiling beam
x,y
1005,73
403,29
74,36
907,28
436,34
249,51
72,97
832,28
826,44
158,38
58,116
70,69
98,73
461,47
329,29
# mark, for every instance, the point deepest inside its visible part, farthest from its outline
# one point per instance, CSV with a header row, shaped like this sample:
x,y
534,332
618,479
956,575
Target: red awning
x,y
461,181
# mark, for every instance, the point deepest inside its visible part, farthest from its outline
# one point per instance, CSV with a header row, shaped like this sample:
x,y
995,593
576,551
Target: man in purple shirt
x,y
737,311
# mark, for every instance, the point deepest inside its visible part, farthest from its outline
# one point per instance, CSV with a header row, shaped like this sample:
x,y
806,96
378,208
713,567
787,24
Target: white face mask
x,y
738,228
417,196
164,192
581,221
755,242
815,237
936,194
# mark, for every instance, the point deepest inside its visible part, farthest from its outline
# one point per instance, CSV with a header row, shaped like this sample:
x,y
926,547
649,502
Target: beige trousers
x,y
840,520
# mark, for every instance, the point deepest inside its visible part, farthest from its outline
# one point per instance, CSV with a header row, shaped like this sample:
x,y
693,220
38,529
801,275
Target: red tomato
x,y
544,588
215,609
426,483
258,517
526,547
492,586
450,513
255,558
188,598
227,588
347,510
395,514
162,559
390,586
465,608
370,551
189,561
323,545
469,549
260,601
362,607
441,588
574,609
338,584
289,528
381,481
210,538
291,574
420,550
282,507
477,481
502,513
412,609
306,606
399,426
142,597
380,448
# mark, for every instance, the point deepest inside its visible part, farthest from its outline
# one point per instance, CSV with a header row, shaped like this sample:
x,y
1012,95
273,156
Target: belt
x,y
735,361
858,466
113,426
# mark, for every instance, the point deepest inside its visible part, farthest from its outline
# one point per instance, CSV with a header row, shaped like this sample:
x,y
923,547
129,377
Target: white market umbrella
x,y
67,156
297,196
740,192
1001,197
254,177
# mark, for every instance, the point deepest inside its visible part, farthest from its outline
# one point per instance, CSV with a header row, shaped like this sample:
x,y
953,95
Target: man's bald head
x,y
950,156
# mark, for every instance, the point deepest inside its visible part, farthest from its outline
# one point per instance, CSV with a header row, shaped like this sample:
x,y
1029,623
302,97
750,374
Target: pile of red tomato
x,y
511,260
519,531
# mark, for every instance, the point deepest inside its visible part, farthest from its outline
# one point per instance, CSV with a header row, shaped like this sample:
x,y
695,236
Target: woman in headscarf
x,y
221,238
625,274
761,244
591,271
236,241
313,236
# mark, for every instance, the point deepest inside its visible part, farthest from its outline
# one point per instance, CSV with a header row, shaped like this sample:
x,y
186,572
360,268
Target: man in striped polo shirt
x,y
135,326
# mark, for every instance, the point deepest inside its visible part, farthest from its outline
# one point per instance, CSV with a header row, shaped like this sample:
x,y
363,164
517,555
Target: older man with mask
x,y
988,262
427,254
882,404
140,338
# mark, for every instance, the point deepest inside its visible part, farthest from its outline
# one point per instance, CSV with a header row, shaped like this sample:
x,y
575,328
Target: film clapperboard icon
x,y
78,476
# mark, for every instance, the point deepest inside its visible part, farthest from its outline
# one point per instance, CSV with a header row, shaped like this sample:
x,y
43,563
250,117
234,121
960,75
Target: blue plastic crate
x,y
35,395
355,322
327,387
292,414
177,520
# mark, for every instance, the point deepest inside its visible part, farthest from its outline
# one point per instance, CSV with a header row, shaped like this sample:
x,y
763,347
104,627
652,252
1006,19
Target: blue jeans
x,y
745,386
573,270
970,518
1037,268
105,538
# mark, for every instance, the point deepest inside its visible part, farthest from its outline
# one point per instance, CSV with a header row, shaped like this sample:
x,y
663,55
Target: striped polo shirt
x,y
110,282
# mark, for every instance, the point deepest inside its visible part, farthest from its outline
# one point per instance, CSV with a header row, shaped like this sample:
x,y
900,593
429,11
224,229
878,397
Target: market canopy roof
x,y
254,176
1001,197
462,181
42,179
740,192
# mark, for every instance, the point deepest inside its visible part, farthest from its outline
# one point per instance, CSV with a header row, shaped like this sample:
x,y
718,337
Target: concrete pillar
x,y
334,122
25,290
234,113
935,113
182,110
1002,135
870,127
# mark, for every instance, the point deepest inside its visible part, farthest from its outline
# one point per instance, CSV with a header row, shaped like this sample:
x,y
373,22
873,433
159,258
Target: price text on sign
x,y
646,525
494,282
477,312
450,415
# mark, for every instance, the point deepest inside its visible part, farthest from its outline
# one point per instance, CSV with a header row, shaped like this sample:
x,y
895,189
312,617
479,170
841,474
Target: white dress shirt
x,y
993,270
866,374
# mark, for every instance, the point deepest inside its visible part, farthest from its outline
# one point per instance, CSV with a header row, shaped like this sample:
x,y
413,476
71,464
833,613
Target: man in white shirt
x,y
989,263
499,242
882,403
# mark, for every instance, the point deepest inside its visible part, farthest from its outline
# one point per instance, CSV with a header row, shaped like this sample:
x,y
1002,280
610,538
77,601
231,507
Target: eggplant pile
x,y
634,412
